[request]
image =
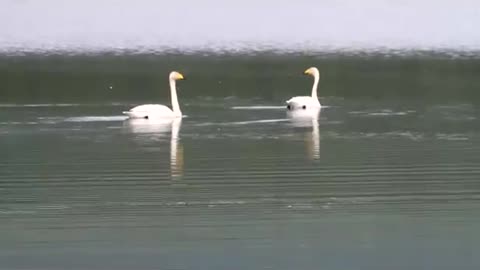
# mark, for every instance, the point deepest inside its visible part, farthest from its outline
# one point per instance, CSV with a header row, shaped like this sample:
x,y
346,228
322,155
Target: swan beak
x,y
180,77
307,72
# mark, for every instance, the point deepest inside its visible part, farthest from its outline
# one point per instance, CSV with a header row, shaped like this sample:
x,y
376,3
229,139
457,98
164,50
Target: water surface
x,y
385,178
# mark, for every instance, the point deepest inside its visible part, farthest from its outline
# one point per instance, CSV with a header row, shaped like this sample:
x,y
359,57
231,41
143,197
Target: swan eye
x,y
288,107
304,107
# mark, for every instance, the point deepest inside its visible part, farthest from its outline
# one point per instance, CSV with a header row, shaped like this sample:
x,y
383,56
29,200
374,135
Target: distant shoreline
x,y
206,52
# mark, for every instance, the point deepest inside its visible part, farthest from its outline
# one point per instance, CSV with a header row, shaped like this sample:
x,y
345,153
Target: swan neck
x,y
315,86
173,95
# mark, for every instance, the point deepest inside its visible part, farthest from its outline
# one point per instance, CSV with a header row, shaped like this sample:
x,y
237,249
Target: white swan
x,y
160,111
306,102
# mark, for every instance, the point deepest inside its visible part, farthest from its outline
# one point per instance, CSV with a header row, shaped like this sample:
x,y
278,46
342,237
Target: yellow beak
x,y
180,76
307,72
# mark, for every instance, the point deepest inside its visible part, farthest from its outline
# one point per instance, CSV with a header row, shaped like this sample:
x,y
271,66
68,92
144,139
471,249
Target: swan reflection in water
x,y
154,130
308,118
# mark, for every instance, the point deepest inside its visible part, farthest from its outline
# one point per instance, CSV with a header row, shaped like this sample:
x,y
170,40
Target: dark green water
x,y
388,178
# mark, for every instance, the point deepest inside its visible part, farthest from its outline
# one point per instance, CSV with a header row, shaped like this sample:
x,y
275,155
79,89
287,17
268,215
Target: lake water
x,y
386,178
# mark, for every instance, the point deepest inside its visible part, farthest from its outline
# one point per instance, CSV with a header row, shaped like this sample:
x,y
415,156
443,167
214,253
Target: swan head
x,y
313,71
174,75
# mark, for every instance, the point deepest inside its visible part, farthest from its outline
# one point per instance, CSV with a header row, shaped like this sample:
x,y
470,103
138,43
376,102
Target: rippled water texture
x,y
386,177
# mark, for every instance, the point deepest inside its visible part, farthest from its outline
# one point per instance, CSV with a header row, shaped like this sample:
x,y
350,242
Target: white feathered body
x,y
303,103
151,111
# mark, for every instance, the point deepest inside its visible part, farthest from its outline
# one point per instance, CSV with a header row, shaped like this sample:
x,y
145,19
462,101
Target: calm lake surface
x,y
386,178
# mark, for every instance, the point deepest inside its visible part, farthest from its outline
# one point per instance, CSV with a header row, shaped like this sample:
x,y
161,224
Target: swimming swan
x,y
160,111
306,102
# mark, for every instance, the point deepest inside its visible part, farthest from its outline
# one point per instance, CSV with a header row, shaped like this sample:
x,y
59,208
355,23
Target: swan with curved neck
x,y
160,111
307,102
